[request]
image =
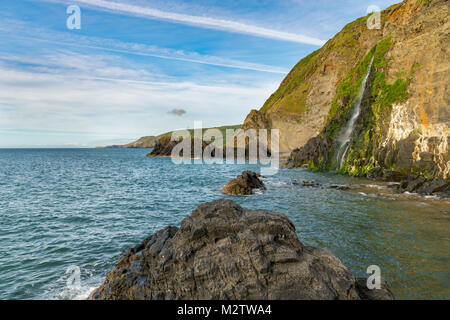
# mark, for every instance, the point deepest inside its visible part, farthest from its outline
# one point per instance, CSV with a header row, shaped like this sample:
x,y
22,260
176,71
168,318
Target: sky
x,y
144,67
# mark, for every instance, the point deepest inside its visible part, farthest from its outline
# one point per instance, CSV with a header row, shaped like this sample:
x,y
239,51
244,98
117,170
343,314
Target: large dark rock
x,y
164,146
222,251
243,184
315,152
373,294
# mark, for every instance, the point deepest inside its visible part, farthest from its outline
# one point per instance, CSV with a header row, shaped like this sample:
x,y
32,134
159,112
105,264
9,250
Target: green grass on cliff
x,y
149,141
291,95
361,155
296,77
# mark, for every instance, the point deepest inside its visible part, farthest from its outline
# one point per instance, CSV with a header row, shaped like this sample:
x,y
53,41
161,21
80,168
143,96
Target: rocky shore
x,y
222,251
423,186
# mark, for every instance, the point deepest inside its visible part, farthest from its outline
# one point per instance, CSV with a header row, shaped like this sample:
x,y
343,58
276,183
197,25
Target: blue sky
x,y
134,61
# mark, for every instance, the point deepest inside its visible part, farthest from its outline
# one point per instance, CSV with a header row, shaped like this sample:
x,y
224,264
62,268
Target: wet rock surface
x,y
222,251
315,184
423,186
373,294
164,146
243,184
314,152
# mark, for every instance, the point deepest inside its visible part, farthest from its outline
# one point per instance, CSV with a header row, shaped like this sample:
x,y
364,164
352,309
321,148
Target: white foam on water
x,y
81,293
84,294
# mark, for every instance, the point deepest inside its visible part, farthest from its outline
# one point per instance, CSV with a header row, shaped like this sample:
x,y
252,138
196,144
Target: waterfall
x,y
344,138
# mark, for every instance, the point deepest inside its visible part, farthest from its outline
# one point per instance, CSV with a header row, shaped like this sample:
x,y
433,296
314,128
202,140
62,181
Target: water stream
x,y
344,138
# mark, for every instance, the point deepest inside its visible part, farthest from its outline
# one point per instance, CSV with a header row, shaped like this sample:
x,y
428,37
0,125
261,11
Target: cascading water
x,y
344,138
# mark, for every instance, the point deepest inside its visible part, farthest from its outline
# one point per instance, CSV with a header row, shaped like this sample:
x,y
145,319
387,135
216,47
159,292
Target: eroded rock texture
x,y
222,251
404,124
243,184
165,145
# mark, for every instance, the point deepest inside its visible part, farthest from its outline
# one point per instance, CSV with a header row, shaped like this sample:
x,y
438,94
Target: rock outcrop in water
x,y
150,141
404,119
164,146
243,184
222,251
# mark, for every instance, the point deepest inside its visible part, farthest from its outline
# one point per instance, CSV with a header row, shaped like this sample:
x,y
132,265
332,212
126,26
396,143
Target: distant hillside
x,y
149,141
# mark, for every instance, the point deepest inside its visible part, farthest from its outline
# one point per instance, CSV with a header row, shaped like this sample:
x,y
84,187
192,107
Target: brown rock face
x,y
416,130
243,184
222,251
164,146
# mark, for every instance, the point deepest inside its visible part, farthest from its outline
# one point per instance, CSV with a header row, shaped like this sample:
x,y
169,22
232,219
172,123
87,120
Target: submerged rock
x,y
315,184
222,251
243,184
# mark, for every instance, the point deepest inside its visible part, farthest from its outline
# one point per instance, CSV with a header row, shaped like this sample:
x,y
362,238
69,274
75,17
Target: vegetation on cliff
x,y
150,141
371,129
403,125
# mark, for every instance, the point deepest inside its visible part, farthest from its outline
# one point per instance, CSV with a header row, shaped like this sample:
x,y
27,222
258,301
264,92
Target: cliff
x,y
150,141
222,251
143,142
403,125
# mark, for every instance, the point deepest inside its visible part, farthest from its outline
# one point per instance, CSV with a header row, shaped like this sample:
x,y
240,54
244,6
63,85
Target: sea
x,y
67,214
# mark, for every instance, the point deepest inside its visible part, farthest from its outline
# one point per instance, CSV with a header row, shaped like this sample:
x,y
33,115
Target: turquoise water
x,y
82,207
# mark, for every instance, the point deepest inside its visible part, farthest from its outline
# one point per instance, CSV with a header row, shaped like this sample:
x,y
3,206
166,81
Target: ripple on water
x,y
82,207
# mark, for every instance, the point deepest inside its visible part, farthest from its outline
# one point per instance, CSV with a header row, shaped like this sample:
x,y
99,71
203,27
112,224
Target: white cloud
x,y
203,21
25,32
88,106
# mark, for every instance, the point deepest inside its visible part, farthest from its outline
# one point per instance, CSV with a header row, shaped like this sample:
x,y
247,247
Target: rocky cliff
x,y
404,121
222,251
150,141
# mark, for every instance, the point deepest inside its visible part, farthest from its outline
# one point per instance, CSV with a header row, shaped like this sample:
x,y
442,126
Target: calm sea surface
x,y
81,207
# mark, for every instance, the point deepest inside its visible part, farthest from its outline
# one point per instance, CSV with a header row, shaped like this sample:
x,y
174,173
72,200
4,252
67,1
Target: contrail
x,y
204,22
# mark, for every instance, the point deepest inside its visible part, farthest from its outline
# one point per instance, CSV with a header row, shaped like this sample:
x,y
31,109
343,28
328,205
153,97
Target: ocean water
x,y
79,208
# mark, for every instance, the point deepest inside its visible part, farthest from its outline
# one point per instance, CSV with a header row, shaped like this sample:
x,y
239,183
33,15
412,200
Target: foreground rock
x,y
222,251
243,184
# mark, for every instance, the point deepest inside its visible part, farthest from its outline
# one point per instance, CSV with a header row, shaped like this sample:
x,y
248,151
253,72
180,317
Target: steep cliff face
x,y
404,119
